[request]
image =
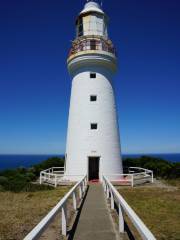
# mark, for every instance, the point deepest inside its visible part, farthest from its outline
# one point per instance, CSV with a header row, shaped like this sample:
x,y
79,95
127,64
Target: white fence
x,y
124,208
61,206
52,175
135,176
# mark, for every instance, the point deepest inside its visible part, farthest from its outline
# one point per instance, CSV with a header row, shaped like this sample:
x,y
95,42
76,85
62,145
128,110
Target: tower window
x,y
93,126
92,75
93,44
80,27
93,98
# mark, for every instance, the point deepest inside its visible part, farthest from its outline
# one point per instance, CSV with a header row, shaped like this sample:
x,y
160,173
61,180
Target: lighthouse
x,y
93,143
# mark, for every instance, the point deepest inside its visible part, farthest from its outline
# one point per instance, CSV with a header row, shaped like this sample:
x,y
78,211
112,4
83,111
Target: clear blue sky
x,y
35,85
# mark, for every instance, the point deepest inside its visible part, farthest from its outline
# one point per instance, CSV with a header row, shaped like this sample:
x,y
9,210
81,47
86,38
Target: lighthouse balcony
x,y
93,44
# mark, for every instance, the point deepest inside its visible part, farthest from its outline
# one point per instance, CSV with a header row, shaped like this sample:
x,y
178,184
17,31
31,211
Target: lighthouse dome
x,y
92,7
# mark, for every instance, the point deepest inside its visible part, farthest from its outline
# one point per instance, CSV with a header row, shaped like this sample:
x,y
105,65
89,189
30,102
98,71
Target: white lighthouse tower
x,y
93,144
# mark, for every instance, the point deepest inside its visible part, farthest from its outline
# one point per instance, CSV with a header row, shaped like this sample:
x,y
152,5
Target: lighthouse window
x,y
93,126
92,75
93,44
80,27
93,98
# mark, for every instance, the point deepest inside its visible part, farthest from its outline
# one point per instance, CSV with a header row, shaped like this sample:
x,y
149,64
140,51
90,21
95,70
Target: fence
x,y
61,206
144,171
92,44
52,175
134,176
124,208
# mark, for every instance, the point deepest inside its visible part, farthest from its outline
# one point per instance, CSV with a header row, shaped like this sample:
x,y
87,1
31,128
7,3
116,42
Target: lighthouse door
x,y
93,171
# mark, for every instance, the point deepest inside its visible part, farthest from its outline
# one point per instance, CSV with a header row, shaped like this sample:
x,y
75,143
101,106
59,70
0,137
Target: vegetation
x,y
20,212
158,207
20,179
160,167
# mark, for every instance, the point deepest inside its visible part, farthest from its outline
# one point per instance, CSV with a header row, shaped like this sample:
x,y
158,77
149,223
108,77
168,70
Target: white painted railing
x,y
123,207
146,172
132,178
52,175
61,206
138,170
123,178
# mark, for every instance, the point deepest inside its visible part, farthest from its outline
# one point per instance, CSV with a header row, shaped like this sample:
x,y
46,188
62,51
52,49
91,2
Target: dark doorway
x,y
93,168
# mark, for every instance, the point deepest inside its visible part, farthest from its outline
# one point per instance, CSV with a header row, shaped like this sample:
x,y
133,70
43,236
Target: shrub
x,y
160,167
50,162
19,179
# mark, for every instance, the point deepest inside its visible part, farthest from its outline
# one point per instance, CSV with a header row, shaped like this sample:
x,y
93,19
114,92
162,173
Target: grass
x,y
158,208
20,212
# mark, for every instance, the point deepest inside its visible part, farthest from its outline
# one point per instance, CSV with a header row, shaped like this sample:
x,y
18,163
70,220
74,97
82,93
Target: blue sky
x,y
35,85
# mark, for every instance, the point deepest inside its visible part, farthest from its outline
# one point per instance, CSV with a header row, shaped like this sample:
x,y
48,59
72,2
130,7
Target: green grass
x,y
20,212
159,208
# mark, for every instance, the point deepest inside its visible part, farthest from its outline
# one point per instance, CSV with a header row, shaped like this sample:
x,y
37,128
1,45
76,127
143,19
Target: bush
x,y
50,162
160,167
18,180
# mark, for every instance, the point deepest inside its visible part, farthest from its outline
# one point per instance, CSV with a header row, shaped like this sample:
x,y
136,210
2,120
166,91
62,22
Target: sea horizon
x,y
10,161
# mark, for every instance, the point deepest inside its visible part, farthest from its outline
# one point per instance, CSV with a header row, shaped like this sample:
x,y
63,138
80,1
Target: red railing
x,y
92,44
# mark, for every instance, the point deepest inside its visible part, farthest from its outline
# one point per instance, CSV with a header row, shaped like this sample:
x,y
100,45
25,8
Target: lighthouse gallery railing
x,y
85,44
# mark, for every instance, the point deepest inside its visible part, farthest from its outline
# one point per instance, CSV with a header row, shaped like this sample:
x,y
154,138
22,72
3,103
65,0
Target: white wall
x,y
81,140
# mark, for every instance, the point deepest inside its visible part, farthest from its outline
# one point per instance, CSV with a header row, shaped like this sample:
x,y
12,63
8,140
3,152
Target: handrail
x,y
92,44
139,168
145,171
61,205
123,206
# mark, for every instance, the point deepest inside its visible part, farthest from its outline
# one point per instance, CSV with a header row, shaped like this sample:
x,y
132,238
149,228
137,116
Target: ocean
x,y
14,161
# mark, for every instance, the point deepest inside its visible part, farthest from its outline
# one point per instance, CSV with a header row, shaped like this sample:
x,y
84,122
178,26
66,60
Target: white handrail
x,y
139,168
123,206
43,224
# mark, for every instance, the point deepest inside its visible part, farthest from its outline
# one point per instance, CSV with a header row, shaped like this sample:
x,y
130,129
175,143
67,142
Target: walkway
x,y
94,221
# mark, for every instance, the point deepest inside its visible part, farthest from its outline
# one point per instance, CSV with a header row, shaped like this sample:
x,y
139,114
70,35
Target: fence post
x,y
107,192
152,177
55,180
74,201
83,187
112,200
86,181
40,180
106,187
49,172
80,191
121,219
132,180
64,220
104,184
